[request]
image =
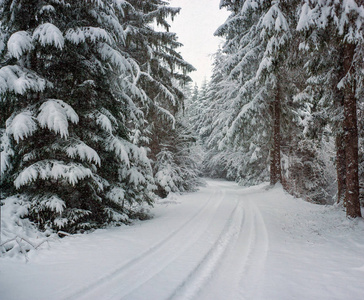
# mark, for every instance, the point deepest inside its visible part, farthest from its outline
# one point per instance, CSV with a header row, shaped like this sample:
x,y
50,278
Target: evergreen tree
x,y
258,107
255,85
221,159
230,142
322,118
66,87
163,74
343,20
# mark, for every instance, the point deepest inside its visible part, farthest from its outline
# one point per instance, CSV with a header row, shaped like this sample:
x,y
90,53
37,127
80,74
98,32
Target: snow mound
x,y
18,234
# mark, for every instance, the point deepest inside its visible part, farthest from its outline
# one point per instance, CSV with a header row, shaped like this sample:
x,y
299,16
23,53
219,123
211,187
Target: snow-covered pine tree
x,y
258,84
322,116
229,154
220,160
192,106
197,106
163,74
190,118
344,20
66,86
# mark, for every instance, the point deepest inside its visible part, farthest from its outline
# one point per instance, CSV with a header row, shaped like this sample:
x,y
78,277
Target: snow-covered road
x,y
223,242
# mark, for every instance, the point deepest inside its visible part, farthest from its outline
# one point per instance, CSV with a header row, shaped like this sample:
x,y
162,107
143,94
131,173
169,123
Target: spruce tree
x,y
322,116
258,36
344,20
67,85
162,77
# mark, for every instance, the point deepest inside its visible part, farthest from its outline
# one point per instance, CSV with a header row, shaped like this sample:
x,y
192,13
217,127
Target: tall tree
x,y
258,34
66,85
163,75
345,20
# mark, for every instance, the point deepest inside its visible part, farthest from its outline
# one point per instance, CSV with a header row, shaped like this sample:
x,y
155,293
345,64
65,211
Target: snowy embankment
x,y
223,242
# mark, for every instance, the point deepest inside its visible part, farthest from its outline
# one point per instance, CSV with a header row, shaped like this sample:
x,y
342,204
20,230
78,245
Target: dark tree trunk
x,y
351,138
340,137
340,168
275,165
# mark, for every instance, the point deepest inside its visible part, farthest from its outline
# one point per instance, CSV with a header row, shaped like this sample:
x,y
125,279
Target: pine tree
x,y
67,86
344,20
253,113
212,113
258,34
323,115
193,106
231,140
162,76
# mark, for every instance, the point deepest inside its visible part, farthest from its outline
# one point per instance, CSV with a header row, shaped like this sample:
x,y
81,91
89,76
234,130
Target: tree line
x,y
285,101
92,114
90,110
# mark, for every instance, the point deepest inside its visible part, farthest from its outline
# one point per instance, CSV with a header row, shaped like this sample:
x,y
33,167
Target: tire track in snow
x,y
229,273
199,276
242,266
254,268
188,228
178,269
232,250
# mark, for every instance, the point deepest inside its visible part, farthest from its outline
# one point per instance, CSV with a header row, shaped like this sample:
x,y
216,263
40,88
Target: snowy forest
x,y
285,102
99,117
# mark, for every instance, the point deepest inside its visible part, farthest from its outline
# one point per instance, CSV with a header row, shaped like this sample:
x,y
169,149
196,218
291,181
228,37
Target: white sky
x,y
195,27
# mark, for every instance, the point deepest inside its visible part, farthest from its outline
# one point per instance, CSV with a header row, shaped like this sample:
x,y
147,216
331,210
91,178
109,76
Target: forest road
x,y
223,242
216,249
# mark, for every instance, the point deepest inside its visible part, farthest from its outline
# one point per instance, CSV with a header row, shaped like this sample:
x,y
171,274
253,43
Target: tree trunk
x,y
340,137
340,168
351,138
275,165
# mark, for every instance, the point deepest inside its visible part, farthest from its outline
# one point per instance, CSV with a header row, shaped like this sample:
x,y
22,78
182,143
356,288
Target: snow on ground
x,y
223,242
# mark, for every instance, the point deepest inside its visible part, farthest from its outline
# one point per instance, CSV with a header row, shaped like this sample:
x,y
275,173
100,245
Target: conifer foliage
x,y
344,20
252,90
163,76
284,96
77,82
